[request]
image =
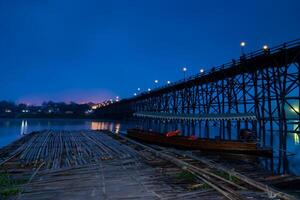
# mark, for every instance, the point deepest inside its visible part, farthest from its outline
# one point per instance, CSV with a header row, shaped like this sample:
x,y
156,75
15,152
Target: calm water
x,y
12,129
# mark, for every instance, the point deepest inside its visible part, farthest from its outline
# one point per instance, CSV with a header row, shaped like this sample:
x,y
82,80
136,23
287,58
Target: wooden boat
x,y
227,146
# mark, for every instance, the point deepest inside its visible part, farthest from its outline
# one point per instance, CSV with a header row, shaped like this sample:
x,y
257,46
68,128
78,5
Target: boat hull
x,y
199,144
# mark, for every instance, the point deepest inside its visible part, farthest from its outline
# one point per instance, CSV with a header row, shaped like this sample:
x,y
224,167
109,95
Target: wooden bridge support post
x,y
270,110
262,96
256,105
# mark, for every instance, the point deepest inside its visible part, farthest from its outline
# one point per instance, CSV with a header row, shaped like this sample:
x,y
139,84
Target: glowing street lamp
x,y
266,49
149,89
139,89
156,81
201,71
134,94
168,82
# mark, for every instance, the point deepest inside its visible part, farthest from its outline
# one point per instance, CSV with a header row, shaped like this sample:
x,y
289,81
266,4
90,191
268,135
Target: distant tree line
x,y
47,109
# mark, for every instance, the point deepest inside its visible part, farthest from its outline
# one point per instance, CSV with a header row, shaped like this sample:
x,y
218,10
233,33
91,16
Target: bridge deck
x,y
283,54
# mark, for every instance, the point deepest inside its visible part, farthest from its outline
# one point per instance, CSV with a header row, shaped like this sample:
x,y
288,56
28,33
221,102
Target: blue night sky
x,y
91,50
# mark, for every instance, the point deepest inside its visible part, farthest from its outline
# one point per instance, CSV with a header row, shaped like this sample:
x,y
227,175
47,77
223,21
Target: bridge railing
x,y
257,53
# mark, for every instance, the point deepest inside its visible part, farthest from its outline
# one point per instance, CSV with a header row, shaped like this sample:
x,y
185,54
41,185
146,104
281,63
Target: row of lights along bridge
x,y
184,70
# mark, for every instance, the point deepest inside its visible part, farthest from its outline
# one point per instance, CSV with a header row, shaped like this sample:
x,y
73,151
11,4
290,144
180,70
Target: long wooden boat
x,y
227,146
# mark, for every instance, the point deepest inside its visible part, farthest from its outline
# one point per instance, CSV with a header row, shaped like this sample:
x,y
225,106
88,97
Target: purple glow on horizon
x,y
78,96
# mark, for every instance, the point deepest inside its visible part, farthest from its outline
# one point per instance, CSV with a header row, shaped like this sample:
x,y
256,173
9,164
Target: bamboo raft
x,y
65,149
199,144
102,165
91,165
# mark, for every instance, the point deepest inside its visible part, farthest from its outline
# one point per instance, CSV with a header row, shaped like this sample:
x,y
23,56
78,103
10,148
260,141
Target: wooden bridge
x,y
263,82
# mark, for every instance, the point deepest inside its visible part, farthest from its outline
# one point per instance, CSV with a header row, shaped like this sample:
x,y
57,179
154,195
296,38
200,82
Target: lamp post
x,y
242,44
184,69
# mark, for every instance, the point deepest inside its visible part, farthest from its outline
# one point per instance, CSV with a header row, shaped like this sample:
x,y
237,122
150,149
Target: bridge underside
x,y
196,117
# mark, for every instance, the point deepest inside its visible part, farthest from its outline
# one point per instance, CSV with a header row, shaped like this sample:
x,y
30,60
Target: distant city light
x,y
94,107
149,89
243,44
201,71
156,81
134,94
8,111
139,89
168,82
265,47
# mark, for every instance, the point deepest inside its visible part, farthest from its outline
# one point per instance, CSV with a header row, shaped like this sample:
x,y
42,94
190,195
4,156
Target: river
x,y
13,129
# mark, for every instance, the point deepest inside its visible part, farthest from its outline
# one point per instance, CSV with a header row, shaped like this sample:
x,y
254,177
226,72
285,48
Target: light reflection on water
x,y
24,127
12,129
296,132
296,138
111,126
296,126
118,125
